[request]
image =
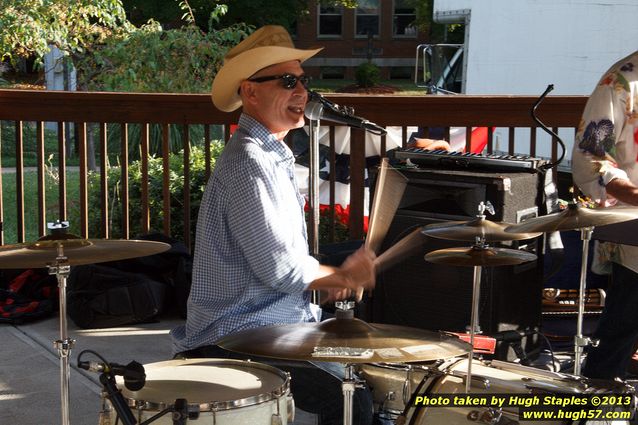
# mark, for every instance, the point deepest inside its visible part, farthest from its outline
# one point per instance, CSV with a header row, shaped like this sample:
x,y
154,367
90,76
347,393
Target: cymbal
x,y
478,228
575,217
345,340
77,250
477,256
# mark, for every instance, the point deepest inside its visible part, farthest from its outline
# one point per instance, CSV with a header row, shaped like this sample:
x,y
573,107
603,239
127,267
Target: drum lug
x,y
485,382
290,406
407,388
276,420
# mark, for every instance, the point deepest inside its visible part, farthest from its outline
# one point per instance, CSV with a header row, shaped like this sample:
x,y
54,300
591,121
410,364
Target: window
x,y
402,19
330,21
367,18
401,73
332,72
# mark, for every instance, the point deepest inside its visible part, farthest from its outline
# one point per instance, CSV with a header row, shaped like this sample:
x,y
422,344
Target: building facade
x,y
380,31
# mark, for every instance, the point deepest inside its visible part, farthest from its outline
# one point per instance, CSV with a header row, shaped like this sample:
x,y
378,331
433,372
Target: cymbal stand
x,y
580,341
474,321
61,269
479,243
349,384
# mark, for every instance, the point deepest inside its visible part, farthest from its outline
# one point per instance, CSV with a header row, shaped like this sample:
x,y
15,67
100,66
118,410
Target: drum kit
x,y
398,363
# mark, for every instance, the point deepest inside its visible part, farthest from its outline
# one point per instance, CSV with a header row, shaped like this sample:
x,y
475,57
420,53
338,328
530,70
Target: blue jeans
x,y
316,387
617,328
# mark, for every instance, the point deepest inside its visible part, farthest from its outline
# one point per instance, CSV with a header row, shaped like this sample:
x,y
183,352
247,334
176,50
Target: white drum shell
x,y
225,392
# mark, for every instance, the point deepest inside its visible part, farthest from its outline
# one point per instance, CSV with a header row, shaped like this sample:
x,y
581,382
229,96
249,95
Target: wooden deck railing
x,y
186,110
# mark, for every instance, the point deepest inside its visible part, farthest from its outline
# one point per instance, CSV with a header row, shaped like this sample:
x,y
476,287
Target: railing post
x,y
357,182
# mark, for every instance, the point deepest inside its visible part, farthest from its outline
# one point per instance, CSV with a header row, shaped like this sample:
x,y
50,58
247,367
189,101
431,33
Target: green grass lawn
x,y
9,223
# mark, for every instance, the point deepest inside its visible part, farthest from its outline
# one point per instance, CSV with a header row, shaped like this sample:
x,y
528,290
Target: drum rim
x,y
216,406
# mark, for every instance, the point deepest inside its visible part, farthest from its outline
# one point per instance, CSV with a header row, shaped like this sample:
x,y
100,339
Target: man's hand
x,y
431,144
331,295
356,274
623,190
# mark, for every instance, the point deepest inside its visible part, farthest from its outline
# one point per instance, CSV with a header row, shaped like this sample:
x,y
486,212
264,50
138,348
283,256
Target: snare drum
x,y
496,377
223,391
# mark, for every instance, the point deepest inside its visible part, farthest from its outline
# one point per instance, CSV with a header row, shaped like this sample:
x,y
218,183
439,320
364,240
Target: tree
x,y
437,32
30,26
254,13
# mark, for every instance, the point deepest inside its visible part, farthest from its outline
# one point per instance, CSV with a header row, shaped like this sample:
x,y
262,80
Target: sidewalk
x,y
30,391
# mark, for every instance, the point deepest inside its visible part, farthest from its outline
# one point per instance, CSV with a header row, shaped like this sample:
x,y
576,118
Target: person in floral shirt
x,y
605,168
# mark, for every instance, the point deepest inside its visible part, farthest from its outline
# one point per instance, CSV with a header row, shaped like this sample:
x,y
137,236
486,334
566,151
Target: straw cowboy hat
x,y
267,46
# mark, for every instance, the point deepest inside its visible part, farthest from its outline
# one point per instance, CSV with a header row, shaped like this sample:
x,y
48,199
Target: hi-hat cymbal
x,y
345,340
478,256
468,231
575,217
77,250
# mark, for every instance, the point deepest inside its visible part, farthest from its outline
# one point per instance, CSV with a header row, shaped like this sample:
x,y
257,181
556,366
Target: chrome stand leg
x,y
348,386
64,344
580,341
474,325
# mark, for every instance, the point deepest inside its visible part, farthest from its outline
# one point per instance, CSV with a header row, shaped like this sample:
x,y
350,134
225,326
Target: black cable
x,y
551,350
550,132
94,353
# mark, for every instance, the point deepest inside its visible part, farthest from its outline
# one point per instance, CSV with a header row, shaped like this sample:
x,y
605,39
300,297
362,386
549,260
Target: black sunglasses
x,y
288,81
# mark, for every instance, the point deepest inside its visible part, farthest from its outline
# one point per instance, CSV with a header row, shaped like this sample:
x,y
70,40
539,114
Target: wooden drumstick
x,y
409,245
387,196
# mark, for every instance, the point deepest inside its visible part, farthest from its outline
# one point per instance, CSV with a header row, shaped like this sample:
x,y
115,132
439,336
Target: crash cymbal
x,y
575,217
468,231
479,256
345,340
77,250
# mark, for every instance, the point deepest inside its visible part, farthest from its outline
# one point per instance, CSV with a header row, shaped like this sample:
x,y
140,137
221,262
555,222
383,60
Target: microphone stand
x,y
117,400
313,194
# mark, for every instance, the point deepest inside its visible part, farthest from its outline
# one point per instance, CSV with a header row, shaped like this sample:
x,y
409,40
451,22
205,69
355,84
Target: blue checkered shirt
x,y
251,265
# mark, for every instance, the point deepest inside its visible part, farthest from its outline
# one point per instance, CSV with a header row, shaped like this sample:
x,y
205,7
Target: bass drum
x,y
497,377
223,391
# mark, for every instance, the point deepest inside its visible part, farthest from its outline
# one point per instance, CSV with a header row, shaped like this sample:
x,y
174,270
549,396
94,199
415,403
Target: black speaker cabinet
x,y
431,296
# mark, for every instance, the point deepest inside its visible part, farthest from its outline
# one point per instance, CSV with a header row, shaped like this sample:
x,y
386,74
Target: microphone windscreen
x,y
135,377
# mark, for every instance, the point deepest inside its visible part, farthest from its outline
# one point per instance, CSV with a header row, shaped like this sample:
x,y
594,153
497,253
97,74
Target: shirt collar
x,y
257,130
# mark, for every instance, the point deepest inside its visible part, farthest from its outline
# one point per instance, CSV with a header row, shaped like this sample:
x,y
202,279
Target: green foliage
x,y
183,60
367,75
250,12
341,230
29,26
29,145
155,197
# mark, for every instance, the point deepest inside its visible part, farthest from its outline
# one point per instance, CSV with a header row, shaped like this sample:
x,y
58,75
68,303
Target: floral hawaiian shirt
x,y
606,147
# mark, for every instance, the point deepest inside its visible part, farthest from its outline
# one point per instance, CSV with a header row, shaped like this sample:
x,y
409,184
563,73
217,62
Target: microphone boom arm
x,y
549,88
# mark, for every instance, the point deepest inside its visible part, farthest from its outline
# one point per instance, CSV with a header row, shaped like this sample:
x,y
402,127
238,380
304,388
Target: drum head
x,y
209,383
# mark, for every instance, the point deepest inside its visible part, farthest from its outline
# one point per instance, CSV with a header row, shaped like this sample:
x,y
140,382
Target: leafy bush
x,y
151,60
155,197
367,75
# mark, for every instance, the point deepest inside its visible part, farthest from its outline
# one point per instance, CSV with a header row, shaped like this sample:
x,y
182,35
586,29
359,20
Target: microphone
x,y
513,335
133,373
320,108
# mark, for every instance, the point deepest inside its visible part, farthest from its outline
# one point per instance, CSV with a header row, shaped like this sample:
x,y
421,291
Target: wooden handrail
x,y
386,110
426,111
